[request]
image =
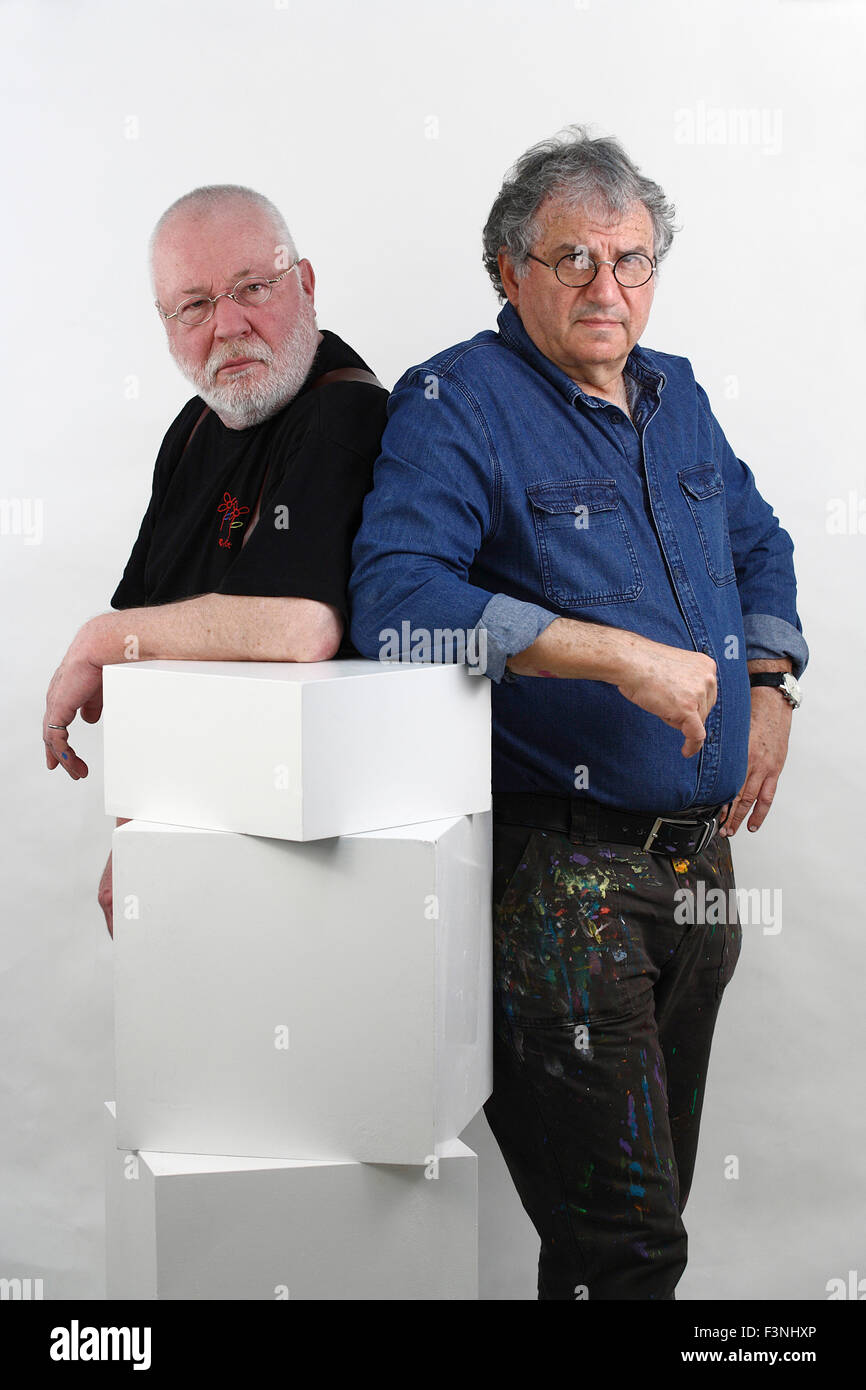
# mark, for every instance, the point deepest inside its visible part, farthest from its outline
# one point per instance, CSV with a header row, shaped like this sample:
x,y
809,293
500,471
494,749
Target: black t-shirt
x,y
318,453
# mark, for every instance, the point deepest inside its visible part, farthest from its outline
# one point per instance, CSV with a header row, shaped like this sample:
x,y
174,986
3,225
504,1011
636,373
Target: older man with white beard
x,y
276,449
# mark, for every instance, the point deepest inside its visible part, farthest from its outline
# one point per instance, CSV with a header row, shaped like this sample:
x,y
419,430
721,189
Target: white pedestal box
x,y
327,1000
298,751
180,1226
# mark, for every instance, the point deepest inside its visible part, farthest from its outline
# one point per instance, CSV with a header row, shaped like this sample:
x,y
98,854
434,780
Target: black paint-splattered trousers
x,y
605,999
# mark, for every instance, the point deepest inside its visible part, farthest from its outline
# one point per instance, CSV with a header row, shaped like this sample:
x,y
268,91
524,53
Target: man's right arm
x,y
678,686
432,503
105,894
130,592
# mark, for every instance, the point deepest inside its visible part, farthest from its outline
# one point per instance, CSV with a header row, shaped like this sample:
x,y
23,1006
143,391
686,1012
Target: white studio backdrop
x,y
383,132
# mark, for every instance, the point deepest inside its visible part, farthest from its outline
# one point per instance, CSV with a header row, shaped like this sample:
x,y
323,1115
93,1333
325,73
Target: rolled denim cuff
x,y
510,626
768,636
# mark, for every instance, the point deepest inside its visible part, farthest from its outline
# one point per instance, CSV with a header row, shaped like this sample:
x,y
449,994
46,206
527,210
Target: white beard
x,y
247,398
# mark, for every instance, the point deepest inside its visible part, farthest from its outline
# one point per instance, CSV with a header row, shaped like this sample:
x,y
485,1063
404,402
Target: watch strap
x,y
767,677
783,681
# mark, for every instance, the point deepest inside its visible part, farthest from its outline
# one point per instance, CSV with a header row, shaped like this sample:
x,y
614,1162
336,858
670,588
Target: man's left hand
x,y
76,685
769,731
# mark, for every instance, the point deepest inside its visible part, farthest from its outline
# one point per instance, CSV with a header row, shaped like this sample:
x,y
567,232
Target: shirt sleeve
x,y
431,506
768,637
301,545
131,591
509,625
763,562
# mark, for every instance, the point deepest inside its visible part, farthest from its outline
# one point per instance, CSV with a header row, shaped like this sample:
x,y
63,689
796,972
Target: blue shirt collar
x,y
511,329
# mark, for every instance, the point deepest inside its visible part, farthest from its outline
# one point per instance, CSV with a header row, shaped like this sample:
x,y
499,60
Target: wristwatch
x,y
780,680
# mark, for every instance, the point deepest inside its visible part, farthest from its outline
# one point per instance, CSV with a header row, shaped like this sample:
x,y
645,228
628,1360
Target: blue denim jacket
x,y
505,496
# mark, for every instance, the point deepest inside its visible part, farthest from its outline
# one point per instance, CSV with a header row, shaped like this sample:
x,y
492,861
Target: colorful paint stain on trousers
x,y
604,1009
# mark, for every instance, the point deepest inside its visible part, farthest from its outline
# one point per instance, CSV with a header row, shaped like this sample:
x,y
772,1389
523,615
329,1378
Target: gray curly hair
x,y
583,171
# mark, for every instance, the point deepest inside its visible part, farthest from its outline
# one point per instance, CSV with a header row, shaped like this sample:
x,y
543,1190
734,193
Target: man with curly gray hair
x,y
564,500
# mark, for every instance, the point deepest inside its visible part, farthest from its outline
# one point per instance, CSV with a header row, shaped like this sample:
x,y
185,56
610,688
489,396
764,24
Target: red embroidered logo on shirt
x,y
229,506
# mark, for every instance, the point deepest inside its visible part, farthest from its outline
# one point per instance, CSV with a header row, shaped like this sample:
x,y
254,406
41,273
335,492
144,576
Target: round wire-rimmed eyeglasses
x,y
577,268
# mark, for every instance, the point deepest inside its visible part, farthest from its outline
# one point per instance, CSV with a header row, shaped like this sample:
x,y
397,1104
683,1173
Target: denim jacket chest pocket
x,y
584,548
704,490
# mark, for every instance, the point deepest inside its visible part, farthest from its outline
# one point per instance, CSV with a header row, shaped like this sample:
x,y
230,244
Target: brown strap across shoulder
x,y
346,374
338,374
193,430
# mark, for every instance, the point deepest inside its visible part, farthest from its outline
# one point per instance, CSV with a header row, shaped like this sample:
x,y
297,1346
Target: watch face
x,y
792,688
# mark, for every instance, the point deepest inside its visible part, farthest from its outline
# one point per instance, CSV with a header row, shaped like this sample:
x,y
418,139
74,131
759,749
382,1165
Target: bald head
x,y
205,206
247,360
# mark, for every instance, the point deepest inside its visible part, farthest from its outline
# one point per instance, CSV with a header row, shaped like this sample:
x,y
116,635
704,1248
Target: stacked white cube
x,y
320,1000
191,1226
302,982
299,750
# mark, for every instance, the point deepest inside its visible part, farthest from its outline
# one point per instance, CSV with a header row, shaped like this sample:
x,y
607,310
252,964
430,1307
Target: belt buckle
x,y
710,827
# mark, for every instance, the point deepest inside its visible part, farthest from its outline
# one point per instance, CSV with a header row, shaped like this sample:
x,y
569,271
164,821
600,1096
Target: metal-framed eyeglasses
x,y
251,292
577,268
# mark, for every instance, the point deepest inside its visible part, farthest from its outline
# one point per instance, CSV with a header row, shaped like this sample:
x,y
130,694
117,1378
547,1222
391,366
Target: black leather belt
x,y
588,822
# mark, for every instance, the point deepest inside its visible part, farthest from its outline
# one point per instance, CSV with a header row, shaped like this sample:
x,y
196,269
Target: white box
x,y
298,751
330,999
209,1227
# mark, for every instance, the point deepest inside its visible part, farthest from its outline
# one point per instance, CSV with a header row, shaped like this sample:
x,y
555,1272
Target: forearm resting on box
x,y
577,650
216,627
678,686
